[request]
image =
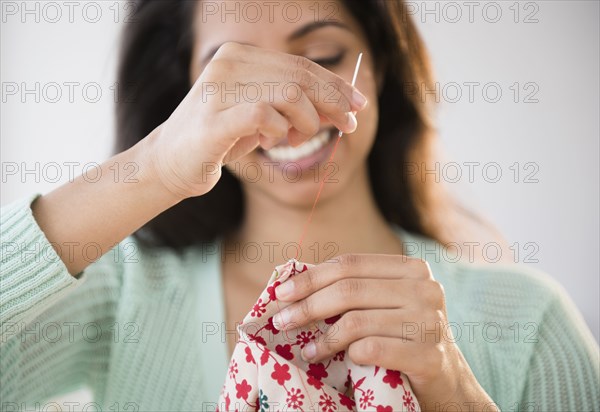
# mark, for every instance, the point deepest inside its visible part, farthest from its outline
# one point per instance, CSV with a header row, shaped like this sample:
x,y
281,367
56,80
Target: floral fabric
x,y
267,373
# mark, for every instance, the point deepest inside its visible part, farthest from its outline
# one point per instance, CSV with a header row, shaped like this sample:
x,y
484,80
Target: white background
x,y
559,134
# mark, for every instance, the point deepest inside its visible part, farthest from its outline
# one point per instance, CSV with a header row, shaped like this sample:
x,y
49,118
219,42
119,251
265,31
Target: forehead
x,y
265,23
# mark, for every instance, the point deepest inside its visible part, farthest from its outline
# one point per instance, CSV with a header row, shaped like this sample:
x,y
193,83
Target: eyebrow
x,y
310,27
301,32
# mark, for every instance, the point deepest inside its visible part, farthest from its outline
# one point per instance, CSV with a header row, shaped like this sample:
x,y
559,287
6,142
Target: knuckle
x,y
440,317
305,309
418,266
259,113
226,49
301,76
349,288
434,293
339,86
435,358
348,261
371,349
356,352
438,290
310,281
302,62
353,321
219,65
434,318
433,323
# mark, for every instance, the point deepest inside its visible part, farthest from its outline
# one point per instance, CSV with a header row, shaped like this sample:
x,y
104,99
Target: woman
x,y
226,117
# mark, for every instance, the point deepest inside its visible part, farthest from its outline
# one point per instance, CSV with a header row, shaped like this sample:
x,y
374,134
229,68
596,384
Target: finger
x,y
399,355
352,326
352,265
345,295
350,94
241,148
325,96
295,67
258,119
298,88
405,324
301,114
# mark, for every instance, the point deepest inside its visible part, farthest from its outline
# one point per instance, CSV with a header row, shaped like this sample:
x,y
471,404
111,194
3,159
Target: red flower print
x,y
339,356
242,390
233,369
270,327
303,338
366,398
227,402
285,351
271,290
312,381
258,309
348,380
258,339
316,372
249,357
392,378
326,403
294,398
294,270
264,358
381,408
281,373
409,402
332,320
346,401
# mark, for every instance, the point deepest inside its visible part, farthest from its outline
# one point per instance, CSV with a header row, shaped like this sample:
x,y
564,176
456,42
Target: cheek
x,y
368,119
364,137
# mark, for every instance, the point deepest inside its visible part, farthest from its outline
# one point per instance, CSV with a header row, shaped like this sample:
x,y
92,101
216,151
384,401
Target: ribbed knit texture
x,y
131,327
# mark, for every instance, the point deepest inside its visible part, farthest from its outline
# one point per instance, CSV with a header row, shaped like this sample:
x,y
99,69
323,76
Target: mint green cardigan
x,y
143,328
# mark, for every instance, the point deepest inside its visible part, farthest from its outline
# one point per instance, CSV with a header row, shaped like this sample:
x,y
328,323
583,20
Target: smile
x,y
286,153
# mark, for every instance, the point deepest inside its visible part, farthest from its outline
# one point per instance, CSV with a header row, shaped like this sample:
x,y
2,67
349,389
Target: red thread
x,y
312,211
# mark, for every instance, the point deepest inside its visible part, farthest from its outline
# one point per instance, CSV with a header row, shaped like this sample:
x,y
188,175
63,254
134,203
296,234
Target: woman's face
x,y
285,174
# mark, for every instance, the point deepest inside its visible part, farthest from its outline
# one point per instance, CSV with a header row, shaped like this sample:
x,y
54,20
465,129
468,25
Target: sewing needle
x,y
353,81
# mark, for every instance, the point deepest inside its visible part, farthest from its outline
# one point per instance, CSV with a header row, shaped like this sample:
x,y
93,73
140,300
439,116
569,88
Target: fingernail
x,y
359,99
281,319
284,290
351,121
309,351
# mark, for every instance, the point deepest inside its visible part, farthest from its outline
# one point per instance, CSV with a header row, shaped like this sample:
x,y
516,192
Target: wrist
x,y
469,394
147,156
456,388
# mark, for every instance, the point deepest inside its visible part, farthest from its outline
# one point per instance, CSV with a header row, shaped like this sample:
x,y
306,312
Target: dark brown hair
x,y
154,77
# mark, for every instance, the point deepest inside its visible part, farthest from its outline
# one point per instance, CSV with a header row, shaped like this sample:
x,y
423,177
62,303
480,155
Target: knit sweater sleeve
x,y
55,329
564,368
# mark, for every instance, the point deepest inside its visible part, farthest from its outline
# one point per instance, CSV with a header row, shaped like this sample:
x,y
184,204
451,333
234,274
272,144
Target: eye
x,y
330,61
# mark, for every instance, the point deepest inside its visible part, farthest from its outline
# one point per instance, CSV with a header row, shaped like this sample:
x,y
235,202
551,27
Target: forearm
x,y
85,218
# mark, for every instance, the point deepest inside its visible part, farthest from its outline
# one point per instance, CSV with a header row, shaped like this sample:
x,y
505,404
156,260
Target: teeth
x,y
290,154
